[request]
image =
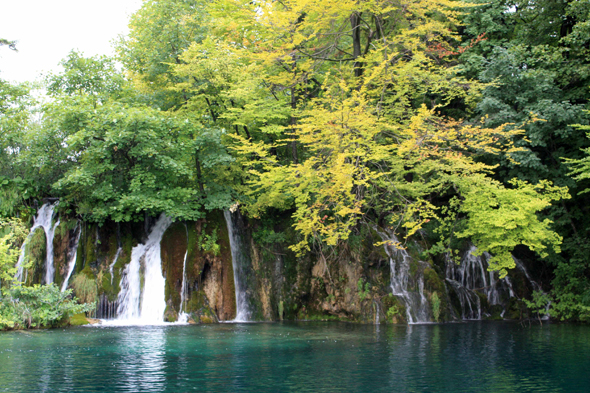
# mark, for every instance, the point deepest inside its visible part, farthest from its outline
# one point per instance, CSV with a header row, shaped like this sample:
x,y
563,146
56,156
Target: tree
x,y
16,110
360,87
159,32
535,64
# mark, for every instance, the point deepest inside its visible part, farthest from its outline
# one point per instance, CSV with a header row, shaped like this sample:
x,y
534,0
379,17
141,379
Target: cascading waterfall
x,y
43,220
147,306
72,259
470,276
243,313
464,279
417,307
470,302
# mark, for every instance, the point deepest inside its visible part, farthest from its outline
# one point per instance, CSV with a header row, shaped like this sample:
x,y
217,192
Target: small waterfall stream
x,y
43,220
417,307
115,259
183,316
144,306
72,259
243,312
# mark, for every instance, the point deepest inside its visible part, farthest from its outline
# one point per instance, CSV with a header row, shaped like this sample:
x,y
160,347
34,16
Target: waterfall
x,y
182,316
417,307
72,259
472,276
470,302
243,312
377,313
145,306
522,268
534,284
112,265
43,220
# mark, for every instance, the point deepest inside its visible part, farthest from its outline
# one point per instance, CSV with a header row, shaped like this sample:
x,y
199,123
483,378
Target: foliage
x,y
208,242
37,306
16,108
12,235
429,117
535,64
90,76
539,303
85,288
341,106
435,300
393,311
363,289
159,32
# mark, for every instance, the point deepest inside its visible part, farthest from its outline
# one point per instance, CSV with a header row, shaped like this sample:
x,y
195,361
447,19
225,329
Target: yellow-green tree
x,y
343,105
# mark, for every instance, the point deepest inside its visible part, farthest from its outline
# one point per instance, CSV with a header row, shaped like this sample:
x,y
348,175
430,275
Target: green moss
x,y
90,245
394,309
65,226
35,254
314,315
432,281
78,320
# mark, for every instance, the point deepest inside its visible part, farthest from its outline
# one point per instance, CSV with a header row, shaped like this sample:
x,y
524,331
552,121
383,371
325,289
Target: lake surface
x,y
302,357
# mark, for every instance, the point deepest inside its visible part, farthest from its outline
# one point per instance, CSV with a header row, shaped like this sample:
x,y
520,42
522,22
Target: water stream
x,y
407,288
72,259
115,259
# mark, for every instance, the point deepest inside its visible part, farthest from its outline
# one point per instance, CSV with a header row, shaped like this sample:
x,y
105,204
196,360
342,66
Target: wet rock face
x,y
198,254
350,282
173,250
212,270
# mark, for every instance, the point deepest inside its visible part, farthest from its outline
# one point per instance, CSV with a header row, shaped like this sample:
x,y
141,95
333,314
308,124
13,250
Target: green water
x,y
307,357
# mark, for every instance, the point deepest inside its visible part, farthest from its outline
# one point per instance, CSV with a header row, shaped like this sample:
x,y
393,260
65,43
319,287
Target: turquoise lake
x,y
302,357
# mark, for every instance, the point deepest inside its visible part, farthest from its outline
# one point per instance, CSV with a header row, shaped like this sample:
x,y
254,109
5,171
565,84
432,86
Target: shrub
x,y
435,306
85,288
38,306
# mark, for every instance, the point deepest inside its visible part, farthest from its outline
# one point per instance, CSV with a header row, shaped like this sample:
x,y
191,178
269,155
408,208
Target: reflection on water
x,y
308,357
141,367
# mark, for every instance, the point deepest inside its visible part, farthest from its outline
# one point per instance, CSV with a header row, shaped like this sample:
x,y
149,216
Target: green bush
x,y
393,311
38,306
85,288
435,306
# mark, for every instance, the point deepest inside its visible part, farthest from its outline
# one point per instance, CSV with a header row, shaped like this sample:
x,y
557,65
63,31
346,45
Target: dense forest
x,y
440,121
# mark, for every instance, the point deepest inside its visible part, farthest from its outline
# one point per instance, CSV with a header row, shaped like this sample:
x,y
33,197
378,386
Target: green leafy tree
x,y
535,64
159,32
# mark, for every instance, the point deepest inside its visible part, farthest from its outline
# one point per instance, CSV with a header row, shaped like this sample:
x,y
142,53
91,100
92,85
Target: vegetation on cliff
x,y
435,118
